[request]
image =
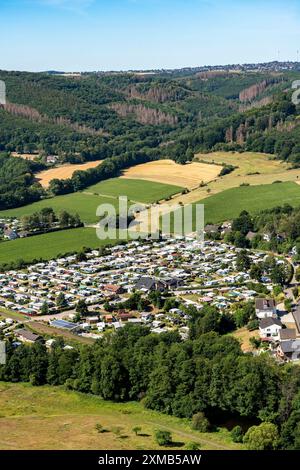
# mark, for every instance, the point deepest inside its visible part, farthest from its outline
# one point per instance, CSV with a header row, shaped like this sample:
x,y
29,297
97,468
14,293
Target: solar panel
x,y
63,324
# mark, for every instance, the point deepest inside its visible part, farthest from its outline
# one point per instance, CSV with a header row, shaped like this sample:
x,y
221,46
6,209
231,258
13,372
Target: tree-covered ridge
x,y
102,116
17,183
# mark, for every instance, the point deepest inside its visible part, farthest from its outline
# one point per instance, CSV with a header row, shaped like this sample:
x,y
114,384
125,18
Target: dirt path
x,y
187,435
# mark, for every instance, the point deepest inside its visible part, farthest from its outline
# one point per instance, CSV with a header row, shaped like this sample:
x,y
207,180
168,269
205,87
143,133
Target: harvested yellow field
x,y
169,172
26,156
63,172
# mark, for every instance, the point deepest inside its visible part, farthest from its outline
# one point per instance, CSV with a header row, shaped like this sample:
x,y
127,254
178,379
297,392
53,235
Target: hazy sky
x,y
77,35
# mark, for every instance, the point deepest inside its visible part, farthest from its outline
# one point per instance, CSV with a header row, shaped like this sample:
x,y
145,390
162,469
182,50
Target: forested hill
x,y
128,118
95,116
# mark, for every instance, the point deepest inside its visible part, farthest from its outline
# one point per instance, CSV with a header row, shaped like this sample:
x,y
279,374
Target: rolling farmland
x,y
86,203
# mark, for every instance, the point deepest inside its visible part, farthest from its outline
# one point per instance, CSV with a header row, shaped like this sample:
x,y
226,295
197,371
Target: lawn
x,y
49,245
134,189
53,418
229,203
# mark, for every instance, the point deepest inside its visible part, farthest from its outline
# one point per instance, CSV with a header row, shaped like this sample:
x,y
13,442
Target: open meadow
x,y
168,172
52,418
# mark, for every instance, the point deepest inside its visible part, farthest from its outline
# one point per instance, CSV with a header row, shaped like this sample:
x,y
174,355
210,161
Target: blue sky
x,y
78,35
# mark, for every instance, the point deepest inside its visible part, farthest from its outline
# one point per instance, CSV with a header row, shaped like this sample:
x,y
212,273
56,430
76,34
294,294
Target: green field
x,y
136,190
86,203
83,204
52,418
49,245
229,203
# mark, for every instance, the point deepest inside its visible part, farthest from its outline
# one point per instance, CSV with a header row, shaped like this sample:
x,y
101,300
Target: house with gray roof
x,y
289,350
269,328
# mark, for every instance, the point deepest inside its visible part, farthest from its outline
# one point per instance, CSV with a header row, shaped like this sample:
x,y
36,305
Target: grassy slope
x,y
134,189
52,418
229,203
49,245
86,203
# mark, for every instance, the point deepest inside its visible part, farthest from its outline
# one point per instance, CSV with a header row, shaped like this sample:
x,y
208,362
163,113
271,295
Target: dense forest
x,y
207,374
17,184
133,118
94,116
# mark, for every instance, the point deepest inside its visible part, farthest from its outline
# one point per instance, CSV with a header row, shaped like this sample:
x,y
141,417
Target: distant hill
x,y
141,116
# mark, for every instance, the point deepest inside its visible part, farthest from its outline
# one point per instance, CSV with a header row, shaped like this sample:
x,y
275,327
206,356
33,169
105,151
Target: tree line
x,y
207,374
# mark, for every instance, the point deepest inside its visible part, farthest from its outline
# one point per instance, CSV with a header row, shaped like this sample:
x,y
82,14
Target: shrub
x,y
226,170
237,434
100,428
192,446
200,422
253,325
163,438
136,430
262,437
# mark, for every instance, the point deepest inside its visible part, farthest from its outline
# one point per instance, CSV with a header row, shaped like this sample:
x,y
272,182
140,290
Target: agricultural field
x,y
228,204
52,418
85,203
63,172
168,172
252,168
136,190
81,203
49,245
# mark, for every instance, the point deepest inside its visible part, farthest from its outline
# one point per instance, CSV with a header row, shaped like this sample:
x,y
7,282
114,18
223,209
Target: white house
x,y
269,328
265,308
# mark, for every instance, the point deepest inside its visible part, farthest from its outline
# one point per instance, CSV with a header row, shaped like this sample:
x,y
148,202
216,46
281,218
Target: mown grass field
x,y
135,190
49,245
85,203
52,418
229,203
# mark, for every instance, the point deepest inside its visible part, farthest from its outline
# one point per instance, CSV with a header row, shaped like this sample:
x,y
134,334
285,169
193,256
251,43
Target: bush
x,y
226,170
136,430
192,446
163,438
237,434
262,437
100,428
253,325
200,422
